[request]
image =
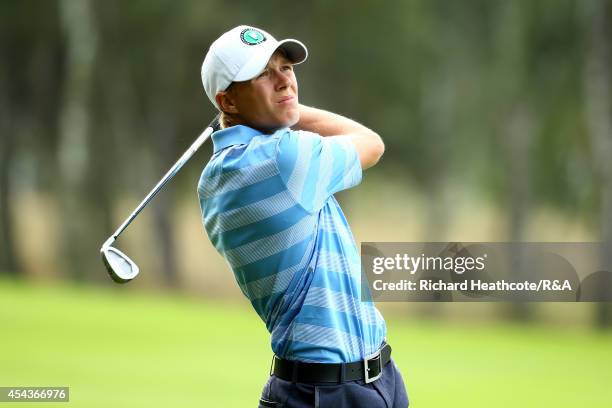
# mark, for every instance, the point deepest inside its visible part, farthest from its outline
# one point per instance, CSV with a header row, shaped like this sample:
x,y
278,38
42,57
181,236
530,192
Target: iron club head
x,y
119,266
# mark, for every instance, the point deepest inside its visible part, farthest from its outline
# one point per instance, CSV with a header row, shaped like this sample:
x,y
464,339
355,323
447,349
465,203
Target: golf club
x,y
119,266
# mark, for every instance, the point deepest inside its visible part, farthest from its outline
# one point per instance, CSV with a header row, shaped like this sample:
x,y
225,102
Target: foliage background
x,y
497,120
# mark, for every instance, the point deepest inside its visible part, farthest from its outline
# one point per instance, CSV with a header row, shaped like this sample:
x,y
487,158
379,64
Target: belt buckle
x,y
366,367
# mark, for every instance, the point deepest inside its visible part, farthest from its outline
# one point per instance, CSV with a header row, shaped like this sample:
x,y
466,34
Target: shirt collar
x,y
234,135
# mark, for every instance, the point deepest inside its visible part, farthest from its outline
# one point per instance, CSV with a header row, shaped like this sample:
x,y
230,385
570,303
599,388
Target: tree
x,y
598,105
78,243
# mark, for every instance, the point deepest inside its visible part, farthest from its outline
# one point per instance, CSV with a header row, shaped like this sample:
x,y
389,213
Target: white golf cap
x,y
241,54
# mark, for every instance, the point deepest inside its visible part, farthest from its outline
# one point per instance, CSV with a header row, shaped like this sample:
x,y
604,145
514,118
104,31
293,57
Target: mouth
x,y
286,100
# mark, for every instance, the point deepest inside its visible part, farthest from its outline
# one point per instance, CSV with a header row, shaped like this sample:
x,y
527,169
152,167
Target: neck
x,y
235,120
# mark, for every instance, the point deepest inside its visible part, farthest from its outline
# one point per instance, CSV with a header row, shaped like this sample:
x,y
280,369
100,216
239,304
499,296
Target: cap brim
x,y
295,50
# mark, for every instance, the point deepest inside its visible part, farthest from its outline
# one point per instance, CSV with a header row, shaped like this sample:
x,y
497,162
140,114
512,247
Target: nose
x,y
282,80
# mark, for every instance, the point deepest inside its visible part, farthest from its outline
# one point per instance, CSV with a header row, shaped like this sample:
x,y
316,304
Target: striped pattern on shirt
x,y
268,207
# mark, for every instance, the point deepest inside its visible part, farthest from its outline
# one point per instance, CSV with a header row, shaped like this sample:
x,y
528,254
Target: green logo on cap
x,y
250,36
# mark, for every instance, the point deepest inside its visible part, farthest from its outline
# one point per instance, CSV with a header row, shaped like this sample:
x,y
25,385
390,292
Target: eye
x,y
287,67
263,74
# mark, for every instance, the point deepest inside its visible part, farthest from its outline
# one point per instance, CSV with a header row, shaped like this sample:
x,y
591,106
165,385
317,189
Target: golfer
x,y
268,206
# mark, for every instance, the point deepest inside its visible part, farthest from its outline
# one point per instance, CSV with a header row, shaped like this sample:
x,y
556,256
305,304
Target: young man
x,y
268,207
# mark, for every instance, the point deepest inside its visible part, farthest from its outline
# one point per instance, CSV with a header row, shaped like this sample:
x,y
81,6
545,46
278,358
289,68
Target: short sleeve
x,y
314,167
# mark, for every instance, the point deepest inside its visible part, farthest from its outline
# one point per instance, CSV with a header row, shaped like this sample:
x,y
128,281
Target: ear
x,y
225,102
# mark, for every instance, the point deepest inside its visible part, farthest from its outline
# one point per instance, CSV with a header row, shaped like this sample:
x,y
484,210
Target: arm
x,y
369,145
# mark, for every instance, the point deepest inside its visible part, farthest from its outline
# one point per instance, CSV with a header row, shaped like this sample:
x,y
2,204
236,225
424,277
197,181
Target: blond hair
x,y
225,120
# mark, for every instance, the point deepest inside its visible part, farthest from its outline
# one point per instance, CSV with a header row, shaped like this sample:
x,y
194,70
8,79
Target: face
x,y
268,101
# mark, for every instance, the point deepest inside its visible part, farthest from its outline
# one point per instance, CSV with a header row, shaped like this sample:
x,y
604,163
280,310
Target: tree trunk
x,y
164,132
515,131
597,14
8,258
437,111
517,144
78,237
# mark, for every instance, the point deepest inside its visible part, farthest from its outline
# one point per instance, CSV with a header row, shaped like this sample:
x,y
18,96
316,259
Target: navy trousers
x,y
386,392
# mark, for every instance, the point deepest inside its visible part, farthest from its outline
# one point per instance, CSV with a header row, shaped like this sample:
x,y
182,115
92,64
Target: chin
x,y
292,118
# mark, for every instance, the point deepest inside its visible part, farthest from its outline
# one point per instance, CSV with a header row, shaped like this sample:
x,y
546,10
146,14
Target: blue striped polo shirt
x,y
268,207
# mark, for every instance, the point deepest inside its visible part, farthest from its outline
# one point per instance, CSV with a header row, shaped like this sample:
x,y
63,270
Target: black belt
x,y
369,369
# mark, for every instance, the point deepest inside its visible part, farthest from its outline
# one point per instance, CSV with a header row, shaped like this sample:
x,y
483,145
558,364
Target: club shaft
x,y
164,180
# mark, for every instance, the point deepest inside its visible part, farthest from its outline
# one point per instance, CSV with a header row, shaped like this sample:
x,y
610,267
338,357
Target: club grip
x,y
216,124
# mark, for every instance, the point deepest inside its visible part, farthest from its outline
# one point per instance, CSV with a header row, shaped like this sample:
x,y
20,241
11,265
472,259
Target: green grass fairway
x,y
115,348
